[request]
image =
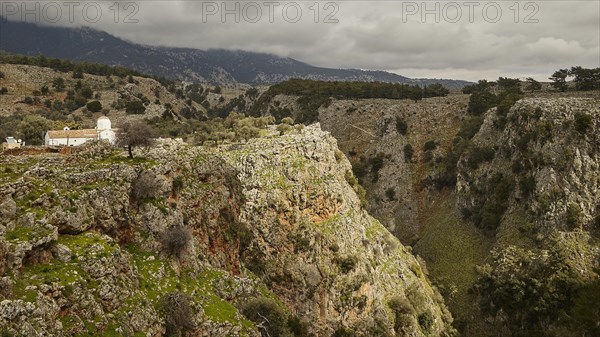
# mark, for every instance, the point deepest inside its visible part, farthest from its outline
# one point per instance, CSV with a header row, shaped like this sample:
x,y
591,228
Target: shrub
x,y
270,319
583,122
426,321
575,216
480,102
360,169
401,126
529,291
376,163
94,106
135,108
527,185
175,240
86,92
58,84
298,327
390,193
288,121
3,90
491,202
430,145
427,156
401,308
346,263
177,184
408,153
77,74
343,332
179,317
283,128
145,186
478,155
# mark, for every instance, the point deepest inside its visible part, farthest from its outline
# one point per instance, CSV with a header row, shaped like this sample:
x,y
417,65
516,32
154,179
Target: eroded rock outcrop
x,y
92,242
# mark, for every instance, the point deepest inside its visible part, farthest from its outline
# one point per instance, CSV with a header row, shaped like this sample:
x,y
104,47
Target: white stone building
x,y
68,137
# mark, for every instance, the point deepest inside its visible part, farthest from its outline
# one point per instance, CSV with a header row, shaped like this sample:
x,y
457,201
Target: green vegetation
x,y
533,85
346,263
236,127
314,94
401,126
585,79
58,84
269,317
32,129
358,189
376,162
461,143
79,67
145,187
135,107
175,240
537,290
574,216
94,106
408,153
477,155
430,145
135,134
447,241
583,122
491,201
390,193
178,313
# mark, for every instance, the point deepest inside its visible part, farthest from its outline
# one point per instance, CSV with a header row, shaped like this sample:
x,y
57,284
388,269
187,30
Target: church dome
x,y
103,123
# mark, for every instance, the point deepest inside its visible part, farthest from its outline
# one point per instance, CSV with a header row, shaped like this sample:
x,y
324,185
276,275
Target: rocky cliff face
x,y
527,193
531,182
95,242
549,152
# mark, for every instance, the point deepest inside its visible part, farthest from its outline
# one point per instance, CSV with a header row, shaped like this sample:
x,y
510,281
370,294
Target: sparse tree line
x,y
78,68
314,94
585,79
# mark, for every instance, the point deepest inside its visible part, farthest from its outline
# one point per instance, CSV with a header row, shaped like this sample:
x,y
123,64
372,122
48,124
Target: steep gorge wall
x,y
83,246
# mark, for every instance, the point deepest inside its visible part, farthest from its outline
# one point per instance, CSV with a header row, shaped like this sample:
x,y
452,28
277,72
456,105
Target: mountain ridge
x,y
214,66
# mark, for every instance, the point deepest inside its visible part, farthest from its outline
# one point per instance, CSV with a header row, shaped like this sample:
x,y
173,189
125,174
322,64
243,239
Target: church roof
x,y
85,133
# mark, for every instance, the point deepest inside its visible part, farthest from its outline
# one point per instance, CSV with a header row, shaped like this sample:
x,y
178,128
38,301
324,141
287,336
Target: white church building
x,y
67,137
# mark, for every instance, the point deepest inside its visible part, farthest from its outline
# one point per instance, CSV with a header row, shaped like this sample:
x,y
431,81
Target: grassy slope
x,y
452,248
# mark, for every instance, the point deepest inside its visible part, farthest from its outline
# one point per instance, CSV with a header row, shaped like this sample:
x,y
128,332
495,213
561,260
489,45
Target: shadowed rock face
x,y
274,217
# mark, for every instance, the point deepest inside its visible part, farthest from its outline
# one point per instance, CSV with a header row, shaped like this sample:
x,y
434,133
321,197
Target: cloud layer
x,y
463,40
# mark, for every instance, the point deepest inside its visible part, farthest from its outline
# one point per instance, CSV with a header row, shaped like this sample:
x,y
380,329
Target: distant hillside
x,y
215,66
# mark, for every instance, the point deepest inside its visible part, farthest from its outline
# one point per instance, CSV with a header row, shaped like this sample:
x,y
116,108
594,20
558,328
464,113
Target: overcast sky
x,y
462,40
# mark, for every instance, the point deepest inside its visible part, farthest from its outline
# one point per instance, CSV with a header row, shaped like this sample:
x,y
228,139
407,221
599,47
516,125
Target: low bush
x,y
145,186
401,126
269,318
408,153
179,317
175,240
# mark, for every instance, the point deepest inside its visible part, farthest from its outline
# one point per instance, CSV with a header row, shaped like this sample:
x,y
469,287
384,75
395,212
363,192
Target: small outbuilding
x,y
11,143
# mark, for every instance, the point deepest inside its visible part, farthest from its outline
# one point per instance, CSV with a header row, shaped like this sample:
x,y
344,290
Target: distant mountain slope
x,y
215,66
